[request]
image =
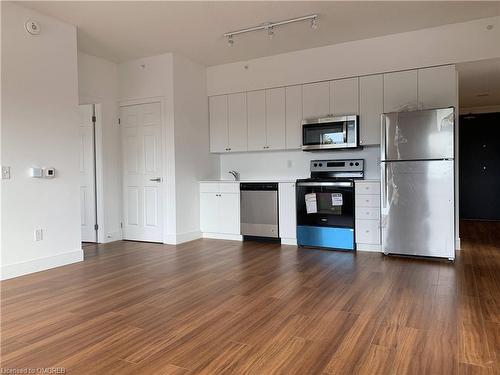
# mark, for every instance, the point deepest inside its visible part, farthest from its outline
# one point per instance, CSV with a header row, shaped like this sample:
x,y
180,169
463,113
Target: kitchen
x,y
250,187
271,121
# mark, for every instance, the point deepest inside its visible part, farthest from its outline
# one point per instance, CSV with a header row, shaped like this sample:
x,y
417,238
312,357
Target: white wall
x,y
447,44
290,165
39,128
193,161
98,83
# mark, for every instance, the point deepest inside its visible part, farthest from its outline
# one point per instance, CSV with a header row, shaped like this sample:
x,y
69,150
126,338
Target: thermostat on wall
x,y
49,172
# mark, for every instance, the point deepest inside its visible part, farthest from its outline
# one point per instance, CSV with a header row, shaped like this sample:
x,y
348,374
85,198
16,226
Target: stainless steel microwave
x,y
330,133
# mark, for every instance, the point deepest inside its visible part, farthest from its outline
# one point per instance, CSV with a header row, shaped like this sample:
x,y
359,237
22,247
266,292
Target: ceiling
x,y
122,30
479,83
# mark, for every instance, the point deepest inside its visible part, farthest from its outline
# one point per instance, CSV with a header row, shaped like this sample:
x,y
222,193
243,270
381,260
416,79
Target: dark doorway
x,y
479,164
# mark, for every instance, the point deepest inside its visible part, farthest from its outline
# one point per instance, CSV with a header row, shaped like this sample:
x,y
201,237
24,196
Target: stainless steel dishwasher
x,y
259,209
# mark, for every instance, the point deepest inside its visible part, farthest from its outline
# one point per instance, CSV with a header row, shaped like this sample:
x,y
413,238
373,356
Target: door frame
x,y
98,158
167,185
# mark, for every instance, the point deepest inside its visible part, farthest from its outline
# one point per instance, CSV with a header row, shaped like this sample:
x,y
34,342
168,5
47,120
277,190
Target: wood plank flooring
x,y
222,307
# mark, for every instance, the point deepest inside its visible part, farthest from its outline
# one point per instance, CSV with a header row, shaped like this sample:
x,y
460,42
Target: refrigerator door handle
x,y
382,134
383,183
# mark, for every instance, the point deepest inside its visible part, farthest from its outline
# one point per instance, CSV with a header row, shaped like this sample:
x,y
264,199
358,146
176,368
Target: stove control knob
x,y
351,163
356,164
315,164
320,164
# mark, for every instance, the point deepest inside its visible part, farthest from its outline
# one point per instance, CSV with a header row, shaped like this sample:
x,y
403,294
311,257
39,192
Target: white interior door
x,y
142,172
87,175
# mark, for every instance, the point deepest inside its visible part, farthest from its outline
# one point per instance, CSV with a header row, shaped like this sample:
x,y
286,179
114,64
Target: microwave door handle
x,y
345,131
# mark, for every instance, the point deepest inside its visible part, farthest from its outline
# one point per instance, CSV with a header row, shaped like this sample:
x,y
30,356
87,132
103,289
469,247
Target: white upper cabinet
x,y
256,104
344,98
275,119
371,107
400,91
271,119
316,100
293,98
437,87
218,123
237,122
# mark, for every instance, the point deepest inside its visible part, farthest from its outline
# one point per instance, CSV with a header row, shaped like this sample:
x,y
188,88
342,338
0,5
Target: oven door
x,y
325,214
330,133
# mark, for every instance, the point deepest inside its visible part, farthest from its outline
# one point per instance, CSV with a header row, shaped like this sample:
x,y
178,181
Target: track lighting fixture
x,y
270,26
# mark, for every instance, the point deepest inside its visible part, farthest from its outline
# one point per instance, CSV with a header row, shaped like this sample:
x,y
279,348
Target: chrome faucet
x,y
235,174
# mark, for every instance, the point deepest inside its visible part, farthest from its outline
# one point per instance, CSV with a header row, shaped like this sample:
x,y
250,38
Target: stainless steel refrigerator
x,y
417,183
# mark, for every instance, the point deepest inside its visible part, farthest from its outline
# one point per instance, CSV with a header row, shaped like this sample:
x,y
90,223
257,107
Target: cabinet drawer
x,y
368,231
229,187
209,187
367,200
367,188
369,213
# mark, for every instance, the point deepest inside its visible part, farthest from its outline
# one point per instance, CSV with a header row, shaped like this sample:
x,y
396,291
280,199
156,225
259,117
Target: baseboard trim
x,y
368,247
222,236
177,239
289,241
10,271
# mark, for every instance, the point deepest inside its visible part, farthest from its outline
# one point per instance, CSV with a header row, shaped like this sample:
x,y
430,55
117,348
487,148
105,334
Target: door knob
x,y
157,179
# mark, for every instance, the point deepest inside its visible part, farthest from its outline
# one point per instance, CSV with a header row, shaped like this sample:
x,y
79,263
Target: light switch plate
x,y
5,173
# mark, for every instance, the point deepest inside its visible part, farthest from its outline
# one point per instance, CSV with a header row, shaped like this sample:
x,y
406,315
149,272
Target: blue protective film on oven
x,y
336,238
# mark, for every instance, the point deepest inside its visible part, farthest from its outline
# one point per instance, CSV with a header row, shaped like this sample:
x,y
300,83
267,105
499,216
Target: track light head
x,y
230,40
314,23
270,32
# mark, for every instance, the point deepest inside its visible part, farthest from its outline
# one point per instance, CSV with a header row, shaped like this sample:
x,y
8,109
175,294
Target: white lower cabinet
x,y
287,213
368,232
367,214
220,209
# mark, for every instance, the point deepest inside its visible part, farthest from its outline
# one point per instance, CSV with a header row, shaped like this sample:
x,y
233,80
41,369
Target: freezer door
x,y
418,135
418,208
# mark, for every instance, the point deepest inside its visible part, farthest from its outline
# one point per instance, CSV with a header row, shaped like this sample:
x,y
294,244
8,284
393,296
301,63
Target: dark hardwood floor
x,y
210,307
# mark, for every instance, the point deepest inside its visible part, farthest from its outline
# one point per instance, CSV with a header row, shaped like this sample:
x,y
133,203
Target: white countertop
x,y
262,180
275,180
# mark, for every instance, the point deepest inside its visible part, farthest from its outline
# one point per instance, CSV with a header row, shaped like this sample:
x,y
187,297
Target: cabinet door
x,y
218,123
293,99
316,99
344,99
400,91
237,122
368,231
275,119
209,203
228,221
371,107
256,105
287,212
437,87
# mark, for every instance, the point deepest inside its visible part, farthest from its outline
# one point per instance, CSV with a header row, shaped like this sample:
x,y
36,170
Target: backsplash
x,y
283,165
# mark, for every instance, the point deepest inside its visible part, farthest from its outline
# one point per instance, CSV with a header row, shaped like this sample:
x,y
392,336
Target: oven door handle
x,y
334,184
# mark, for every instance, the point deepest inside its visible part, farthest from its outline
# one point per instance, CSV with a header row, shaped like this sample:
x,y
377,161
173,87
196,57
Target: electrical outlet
x,y
38,234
